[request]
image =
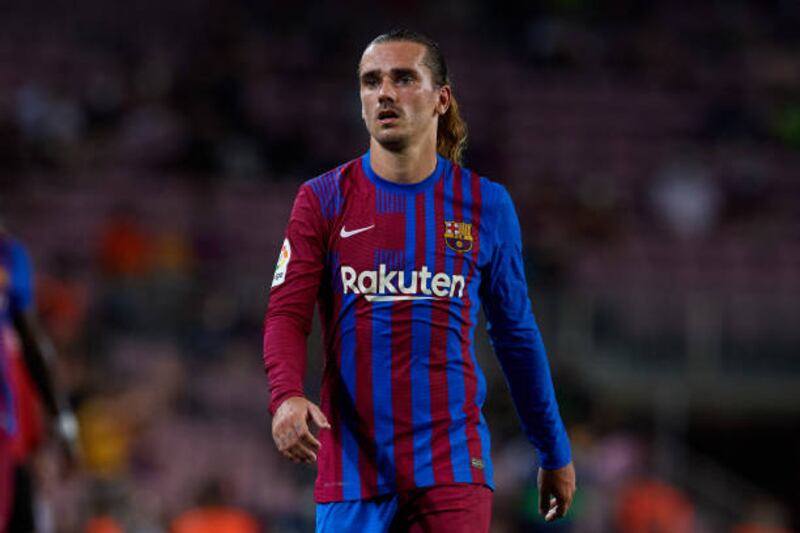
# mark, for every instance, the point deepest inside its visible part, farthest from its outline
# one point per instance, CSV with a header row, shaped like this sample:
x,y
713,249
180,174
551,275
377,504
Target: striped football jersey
x,y
400,272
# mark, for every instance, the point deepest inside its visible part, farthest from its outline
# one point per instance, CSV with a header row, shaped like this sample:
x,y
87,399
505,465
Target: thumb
x,y
318,417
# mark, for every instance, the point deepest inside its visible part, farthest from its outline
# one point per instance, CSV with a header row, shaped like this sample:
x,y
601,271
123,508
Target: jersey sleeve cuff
x,y
557,457
278,399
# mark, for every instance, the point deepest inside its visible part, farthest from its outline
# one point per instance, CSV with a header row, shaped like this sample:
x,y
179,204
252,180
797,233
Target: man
x,y
401,247
24,381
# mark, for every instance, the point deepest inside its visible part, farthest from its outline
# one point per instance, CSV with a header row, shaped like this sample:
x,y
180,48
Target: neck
x,y
411,165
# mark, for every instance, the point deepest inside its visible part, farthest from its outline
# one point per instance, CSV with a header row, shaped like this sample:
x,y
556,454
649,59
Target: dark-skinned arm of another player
x,y
291,299
38,354
516,338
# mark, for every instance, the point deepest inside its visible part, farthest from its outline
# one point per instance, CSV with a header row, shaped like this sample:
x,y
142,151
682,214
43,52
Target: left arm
x,y
37,351
518,344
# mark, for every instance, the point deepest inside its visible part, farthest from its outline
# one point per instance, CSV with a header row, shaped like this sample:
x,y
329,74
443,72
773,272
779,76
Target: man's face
x,y
399,102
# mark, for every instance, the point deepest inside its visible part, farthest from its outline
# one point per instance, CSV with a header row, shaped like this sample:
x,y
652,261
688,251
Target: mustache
x,y
387,109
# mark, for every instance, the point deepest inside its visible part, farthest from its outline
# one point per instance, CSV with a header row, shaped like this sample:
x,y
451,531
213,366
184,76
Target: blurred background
x,y
150,152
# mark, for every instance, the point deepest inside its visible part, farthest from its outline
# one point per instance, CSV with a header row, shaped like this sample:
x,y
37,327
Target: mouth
x,y
387,116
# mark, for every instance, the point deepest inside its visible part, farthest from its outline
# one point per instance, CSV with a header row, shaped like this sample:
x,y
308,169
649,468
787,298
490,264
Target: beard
x,y
392,141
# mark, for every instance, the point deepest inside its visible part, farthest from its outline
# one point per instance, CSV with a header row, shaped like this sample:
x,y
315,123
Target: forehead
x,y
391,56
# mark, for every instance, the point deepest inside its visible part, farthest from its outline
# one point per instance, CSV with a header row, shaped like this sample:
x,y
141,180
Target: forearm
x,y
285,342
524,362
39,354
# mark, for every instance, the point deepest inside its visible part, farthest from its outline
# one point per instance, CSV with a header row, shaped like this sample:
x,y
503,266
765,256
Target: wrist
x,y
278,401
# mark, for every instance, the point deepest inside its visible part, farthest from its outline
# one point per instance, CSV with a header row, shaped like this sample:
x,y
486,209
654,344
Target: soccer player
x,y
400,248
24,380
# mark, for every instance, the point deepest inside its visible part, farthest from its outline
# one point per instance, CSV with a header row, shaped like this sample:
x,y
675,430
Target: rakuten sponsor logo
x,y
394,285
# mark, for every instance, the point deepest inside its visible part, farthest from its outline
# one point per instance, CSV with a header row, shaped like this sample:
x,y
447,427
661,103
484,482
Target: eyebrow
x,y
396,72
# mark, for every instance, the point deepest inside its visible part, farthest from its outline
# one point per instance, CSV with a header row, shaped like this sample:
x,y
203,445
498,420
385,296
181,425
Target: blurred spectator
x,y
63,301
105,436
124,255
214,515
764,516
125,247
103,524
51,124
650,506
685,199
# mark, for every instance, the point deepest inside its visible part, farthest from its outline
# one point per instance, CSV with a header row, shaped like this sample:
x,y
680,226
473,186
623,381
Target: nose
x,y
386,90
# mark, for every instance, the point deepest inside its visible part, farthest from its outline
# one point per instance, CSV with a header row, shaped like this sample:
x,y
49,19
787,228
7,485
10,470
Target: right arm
x,y
287,325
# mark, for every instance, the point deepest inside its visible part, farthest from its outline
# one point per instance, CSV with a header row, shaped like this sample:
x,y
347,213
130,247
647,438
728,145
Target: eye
x,y
405,79
369,81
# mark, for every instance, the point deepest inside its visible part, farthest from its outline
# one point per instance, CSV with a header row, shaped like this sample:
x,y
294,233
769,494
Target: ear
x,y
445,97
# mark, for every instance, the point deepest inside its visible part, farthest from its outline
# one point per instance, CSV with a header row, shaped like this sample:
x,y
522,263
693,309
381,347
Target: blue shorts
x,y
462,508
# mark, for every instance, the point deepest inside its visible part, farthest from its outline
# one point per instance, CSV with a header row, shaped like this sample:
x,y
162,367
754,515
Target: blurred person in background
x,y
124,258
213,514
25,384
401,247
652,506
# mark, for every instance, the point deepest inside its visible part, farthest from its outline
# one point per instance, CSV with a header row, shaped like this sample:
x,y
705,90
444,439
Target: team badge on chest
x,y
458,236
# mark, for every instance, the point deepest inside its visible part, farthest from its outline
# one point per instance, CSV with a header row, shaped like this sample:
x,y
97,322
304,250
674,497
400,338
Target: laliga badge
x,y
283,263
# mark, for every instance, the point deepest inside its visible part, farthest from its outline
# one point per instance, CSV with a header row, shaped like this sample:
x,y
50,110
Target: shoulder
x,y
494,196
327,187
15,251
327,182
16,270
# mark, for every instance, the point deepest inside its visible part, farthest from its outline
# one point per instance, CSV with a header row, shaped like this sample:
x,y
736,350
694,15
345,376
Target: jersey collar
x,y
382,183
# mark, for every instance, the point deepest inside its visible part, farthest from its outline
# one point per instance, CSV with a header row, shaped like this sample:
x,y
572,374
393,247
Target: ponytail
x,y
451,135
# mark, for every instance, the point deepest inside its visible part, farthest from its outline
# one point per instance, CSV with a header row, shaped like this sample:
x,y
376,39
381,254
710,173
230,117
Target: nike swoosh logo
x,y
345,234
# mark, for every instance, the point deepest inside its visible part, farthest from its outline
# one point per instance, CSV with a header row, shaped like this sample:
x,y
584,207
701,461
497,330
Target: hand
x,y
556,489
290,429
65,435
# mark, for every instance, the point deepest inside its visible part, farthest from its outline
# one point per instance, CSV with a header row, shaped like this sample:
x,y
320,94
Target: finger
x,y
565,504
561,511
318,417
292,454
298,458
544,503
285,440
303,452
558,510
292,457
302,428
304,434
563,499
552,511
310,441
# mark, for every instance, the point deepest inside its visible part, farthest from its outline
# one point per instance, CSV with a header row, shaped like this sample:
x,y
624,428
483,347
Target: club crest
x,y
458,236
